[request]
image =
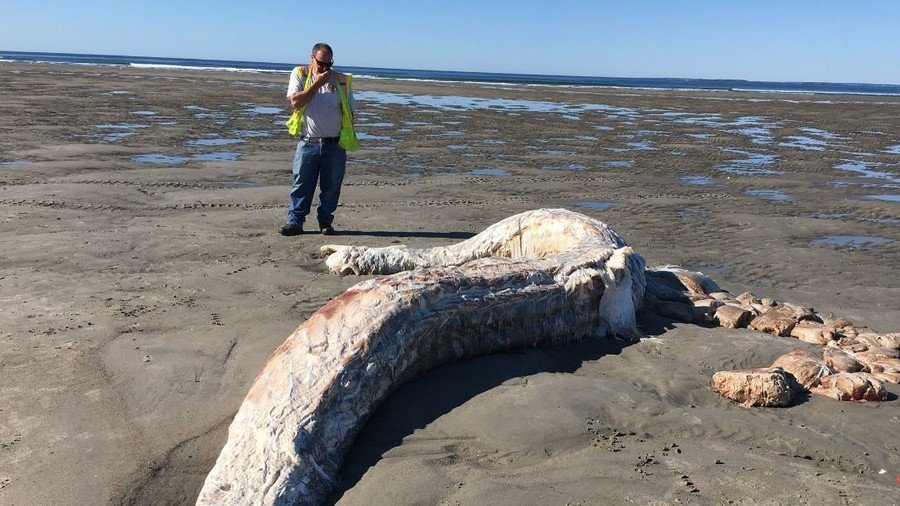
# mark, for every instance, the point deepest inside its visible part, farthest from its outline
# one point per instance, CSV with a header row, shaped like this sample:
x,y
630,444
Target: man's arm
x,y
302,97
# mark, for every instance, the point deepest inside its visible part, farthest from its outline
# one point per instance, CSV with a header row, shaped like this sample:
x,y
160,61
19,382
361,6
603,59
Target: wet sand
x,y
144,284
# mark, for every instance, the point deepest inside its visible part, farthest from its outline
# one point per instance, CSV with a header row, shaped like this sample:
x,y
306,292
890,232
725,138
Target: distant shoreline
x,y
511,79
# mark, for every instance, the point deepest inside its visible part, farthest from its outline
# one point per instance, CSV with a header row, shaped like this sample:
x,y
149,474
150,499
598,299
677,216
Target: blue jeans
x,y
313,161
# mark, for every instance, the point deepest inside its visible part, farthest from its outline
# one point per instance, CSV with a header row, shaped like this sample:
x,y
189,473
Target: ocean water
x,y
445,75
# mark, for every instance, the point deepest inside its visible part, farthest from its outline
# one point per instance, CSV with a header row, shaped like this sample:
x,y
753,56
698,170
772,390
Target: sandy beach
x,y
143,284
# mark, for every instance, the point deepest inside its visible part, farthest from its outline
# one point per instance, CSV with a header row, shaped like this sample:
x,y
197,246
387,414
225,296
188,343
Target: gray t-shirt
x,y
322,117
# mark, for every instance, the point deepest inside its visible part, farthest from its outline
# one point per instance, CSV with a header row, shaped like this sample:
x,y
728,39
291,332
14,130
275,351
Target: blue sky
x,y
787,40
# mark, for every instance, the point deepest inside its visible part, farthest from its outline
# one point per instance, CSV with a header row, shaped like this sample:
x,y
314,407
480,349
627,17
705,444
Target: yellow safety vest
x,y
348,140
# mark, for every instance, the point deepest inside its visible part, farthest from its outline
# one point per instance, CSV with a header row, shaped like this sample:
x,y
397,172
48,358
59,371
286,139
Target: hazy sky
x,y
785,40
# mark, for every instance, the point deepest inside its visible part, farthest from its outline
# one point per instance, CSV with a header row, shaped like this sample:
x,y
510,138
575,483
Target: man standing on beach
x,y
318,96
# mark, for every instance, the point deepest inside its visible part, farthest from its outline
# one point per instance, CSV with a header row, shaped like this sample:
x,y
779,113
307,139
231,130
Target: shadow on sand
x,y
390,233
442,389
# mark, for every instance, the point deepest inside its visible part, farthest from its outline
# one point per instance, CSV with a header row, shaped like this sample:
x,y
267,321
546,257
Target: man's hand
x,y
295,100
321,79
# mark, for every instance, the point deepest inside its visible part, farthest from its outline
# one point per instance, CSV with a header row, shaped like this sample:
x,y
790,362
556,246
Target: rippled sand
x,y
144,283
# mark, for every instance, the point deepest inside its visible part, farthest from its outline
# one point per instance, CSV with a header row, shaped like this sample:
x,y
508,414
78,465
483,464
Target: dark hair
x,y
323,46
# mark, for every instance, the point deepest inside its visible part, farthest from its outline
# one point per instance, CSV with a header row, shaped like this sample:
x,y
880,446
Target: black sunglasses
x,y
322,63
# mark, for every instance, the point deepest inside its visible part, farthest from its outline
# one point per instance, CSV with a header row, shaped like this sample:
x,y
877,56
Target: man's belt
x,y
320,140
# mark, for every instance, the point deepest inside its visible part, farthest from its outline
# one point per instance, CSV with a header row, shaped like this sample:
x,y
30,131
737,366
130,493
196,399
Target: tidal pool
x,y
265,110
216,157
159,158
862,168
749,166
116,136
621,164
489,172
884,197
213,142
804,143
363,136
769,195
251,134
697,180
854,241
596,205
119,126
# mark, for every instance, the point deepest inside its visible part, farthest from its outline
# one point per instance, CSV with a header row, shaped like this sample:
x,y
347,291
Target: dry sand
x,y
140,299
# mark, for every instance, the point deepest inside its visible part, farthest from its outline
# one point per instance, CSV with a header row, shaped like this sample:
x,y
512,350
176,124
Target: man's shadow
x,y
421,401
391,233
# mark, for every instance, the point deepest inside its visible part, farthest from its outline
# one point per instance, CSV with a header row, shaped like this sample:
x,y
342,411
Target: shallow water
x,y
854,241
144,113
251,134
769,195
751,165
116,136
804,143
119,126
825,134
567,166
489,172
159,158
884,197
363,136
757,135
698,180
622,164
862,167
219,141
14,163
216,157
460,103
830,216
211,115
265,110
596,205
889,221
892,149
640,146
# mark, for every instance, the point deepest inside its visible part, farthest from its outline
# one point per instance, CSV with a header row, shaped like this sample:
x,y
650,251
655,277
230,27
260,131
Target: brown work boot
x,y
292,229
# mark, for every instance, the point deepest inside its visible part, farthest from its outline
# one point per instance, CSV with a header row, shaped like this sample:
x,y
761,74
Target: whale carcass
x,y
543,277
